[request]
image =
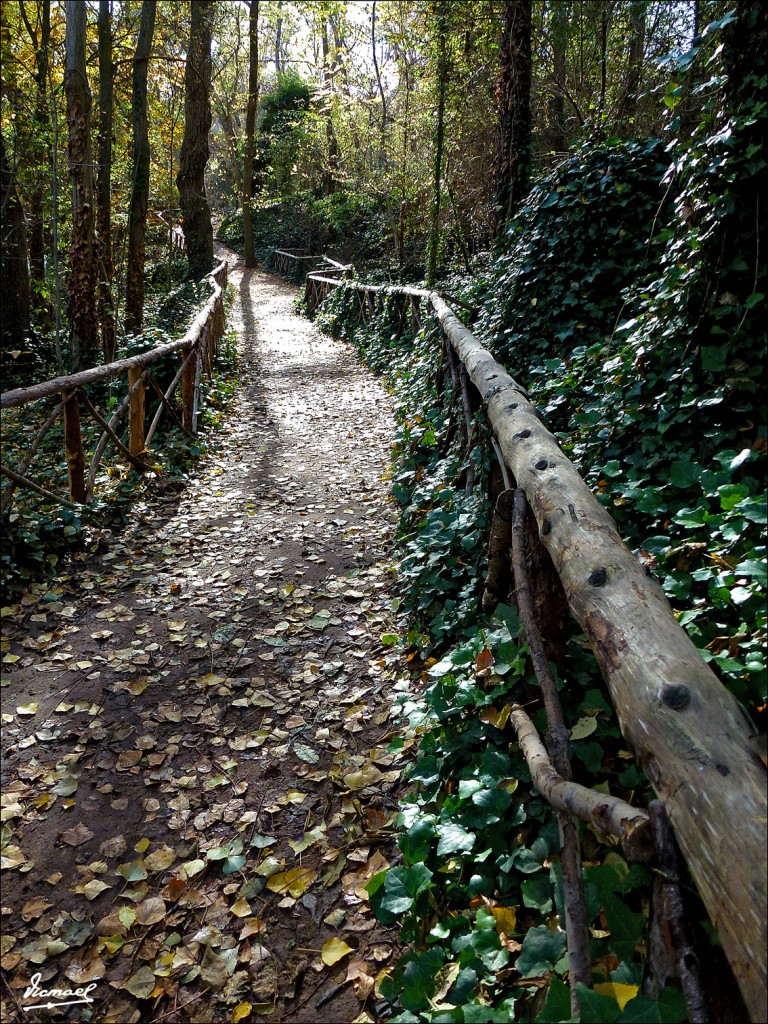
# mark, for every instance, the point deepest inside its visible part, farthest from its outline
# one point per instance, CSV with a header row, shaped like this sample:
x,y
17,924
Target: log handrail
x,y
106,371
197,348
688,732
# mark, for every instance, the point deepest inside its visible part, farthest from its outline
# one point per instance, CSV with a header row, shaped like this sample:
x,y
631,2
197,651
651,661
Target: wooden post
x,y
499,578
187,387
415,314
73,446
136,411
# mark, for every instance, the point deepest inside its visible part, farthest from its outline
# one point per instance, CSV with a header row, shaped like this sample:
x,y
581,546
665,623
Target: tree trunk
x,y
82,283
104,180
14,280
36,215
250,132
332,170
513,161
196,213
559,36
627,112
433,241
137,214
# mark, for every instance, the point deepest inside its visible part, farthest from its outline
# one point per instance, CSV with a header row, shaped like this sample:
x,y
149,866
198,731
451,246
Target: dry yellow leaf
x,y
333,950
506,919
621,993
241,908
295,881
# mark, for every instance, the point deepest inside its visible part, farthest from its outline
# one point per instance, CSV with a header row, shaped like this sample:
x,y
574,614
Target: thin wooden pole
x,y
577,926
187,386
24,481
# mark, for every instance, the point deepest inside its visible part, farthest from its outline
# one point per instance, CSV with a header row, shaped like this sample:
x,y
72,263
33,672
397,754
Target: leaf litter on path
x,y
197,775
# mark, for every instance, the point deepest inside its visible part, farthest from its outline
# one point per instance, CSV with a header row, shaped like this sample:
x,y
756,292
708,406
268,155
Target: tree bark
x,y
196,213
433,241
627,112
41,45
250,132
137,213
332,170
559,36
104,180
688,733
14,280
82,282
513,160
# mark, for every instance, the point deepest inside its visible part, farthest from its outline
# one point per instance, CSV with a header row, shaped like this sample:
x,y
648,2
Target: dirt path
x,y
196,776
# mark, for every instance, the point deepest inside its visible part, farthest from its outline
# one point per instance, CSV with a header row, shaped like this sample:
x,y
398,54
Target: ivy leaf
x,y
454,839
641,1010
557,1005
541,951
596,1008
403,885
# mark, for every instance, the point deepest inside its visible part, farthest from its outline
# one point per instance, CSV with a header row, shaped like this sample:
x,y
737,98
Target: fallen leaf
x,y
150,911
241,908
33,908
295,881
214,969
141,983
91,889
133,871
367,776
333,950
77,835
160,859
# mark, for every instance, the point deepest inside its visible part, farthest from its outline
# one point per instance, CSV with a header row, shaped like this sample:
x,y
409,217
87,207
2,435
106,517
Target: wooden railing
x,y
295,263
196,351
688,733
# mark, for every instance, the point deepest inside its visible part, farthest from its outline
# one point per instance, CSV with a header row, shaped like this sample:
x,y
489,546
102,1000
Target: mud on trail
x,y
197,780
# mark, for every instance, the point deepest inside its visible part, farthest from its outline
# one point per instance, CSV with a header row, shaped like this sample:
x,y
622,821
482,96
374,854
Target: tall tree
x,y
14,280
558,29
250,131
627,111
82,282
196,213
332,168
104,179
40,37
137,214
513,160
443,66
